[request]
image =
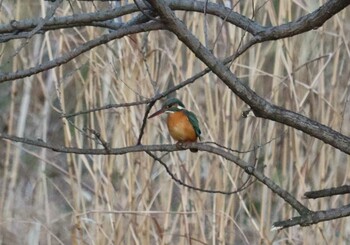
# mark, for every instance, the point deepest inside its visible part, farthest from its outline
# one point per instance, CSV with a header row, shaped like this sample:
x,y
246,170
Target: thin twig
x,y
244,186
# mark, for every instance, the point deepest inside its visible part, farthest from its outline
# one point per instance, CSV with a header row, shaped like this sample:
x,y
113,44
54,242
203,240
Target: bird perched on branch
x,y
182,124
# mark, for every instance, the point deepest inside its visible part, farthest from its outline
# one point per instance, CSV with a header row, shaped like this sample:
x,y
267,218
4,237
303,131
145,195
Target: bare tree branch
x,y
123,31
110,106
306,217
345,189
248,168
313,218
241,188
303,24
76,20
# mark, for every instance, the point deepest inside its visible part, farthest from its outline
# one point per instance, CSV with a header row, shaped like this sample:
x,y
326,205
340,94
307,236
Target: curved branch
x,y
303,24
90,19
241,188
306,23
75,20
248,168
123,31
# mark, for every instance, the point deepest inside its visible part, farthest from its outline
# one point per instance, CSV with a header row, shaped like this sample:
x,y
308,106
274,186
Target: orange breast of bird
x,y
180,127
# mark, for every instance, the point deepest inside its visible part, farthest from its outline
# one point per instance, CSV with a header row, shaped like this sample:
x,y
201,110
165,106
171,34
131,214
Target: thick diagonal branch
x,y
313,218
260,106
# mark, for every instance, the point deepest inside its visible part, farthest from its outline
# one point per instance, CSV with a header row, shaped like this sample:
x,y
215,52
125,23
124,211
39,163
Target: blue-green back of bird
x,y
194,121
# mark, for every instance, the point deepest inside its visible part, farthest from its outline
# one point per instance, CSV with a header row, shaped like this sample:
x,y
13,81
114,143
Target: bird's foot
x,y
180,145
184,144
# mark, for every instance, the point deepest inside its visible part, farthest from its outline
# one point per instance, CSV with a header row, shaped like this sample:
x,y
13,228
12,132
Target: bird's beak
x,y
157,113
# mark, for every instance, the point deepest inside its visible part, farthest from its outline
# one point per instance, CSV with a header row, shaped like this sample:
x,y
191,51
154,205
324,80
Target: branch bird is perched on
x,y
182,124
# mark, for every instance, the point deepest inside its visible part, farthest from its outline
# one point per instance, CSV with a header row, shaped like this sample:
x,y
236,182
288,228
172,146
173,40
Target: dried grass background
x,y
53,198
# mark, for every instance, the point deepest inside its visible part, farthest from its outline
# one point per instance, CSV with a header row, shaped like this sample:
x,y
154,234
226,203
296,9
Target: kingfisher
x,y
182,124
